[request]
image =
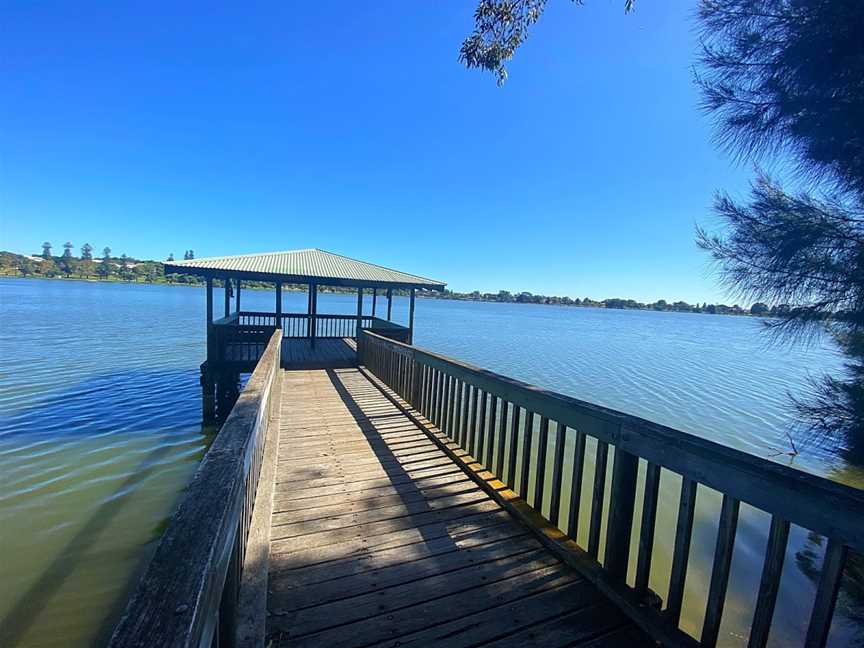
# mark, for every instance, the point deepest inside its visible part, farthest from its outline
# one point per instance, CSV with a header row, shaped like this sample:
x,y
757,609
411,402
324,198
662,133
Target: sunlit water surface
x,y
100,429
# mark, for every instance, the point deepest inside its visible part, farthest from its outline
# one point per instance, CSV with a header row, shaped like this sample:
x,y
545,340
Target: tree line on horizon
x,y
87,266
504,296
126,268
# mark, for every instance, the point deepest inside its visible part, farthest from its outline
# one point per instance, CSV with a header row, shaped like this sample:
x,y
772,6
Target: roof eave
x,y
215,273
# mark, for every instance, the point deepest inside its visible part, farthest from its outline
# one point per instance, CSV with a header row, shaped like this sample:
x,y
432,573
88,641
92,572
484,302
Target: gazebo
x,y
312,339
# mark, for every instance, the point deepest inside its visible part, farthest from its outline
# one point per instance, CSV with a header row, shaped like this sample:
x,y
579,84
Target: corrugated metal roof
x,y
301,265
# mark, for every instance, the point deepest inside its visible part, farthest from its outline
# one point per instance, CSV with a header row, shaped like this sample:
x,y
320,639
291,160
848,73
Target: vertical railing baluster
x,y
769,584
463,417
622,501
472,425
433,396
453,409
493,412
600,461
442,381
527,437
557,474
826,594
502,439
720,571
481,429
512,451
681,552
540,479
646,530
445,403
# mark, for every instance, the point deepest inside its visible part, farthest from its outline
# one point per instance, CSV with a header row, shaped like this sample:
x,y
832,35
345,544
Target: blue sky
x,y
245,127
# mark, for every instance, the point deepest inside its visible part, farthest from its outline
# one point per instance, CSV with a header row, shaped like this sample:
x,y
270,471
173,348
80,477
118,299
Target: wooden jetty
x,y
363,491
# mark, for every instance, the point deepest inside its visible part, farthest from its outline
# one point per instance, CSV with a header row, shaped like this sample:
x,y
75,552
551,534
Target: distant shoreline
x,y
458,297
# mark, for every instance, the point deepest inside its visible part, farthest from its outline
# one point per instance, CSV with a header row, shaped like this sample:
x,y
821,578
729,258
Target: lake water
x,y
100,429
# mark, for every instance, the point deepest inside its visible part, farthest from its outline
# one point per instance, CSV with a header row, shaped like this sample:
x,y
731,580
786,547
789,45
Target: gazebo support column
x,y
389,304
237,298
359,312
313,320
208,382
411,319
227,297
278,304
374,300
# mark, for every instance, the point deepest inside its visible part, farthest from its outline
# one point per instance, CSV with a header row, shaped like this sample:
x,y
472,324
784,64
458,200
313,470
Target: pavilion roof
x,y
303,266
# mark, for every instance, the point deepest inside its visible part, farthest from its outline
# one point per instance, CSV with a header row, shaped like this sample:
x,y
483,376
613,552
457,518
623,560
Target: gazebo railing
x,y
242,337
299,325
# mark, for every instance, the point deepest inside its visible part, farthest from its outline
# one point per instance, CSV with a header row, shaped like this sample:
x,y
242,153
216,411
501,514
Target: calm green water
x,y
100,430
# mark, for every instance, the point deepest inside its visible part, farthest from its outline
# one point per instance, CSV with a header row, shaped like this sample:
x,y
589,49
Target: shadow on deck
x,y
378,537
326,353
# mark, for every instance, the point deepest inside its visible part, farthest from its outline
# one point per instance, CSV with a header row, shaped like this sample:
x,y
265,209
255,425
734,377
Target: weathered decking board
x,y
377,537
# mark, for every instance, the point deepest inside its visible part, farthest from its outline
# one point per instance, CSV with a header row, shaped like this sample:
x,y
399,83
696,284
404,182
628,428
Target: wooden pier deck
x,y
327,353
379,538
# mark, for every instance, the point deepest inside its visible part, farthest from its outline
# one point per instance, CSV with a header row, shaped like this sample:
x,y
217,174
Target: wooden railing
x,y
495,418
299,325
189,593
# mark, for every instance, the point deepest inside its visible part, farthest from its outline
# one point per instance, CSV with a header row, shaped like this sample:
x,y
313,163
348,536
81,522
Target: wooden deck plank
x,y
418,624
376,535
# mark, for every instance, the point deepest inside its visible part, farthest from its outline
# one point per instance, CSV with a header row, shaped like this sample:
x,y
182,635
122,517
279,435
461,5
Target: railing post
x,y
278,304
227,296
359,313
313,320
209,321
411,319
621,503
415,382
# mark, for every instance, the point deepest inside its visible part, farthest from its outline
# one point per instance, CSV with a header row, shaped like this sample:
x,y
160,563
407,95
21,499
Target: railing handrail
x,y
378,320
177,600
834,509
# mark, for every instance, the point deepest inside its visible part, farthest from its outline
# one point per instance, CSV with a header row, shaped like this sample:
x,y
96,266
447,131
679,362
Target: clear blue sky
x,y
247,127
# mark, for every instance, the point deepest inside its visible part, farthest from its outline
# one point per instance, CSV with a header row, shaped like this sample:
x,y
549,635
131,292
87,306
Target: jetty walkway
x,y
378,537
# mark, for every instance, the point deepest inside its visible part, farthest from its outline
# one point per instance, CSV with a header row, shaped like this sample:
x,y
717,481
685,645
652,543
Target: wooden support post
x,y
411,319
374,300
359,312
208,394
211,334
309,311
826,594
621,504
314,319
278,304
389,304
208,387
237,298
227,297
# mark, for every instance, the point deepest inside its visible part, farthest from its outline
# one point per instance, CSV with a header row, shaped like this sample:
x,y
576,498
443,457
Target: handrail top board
x,y
317,315
827,507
